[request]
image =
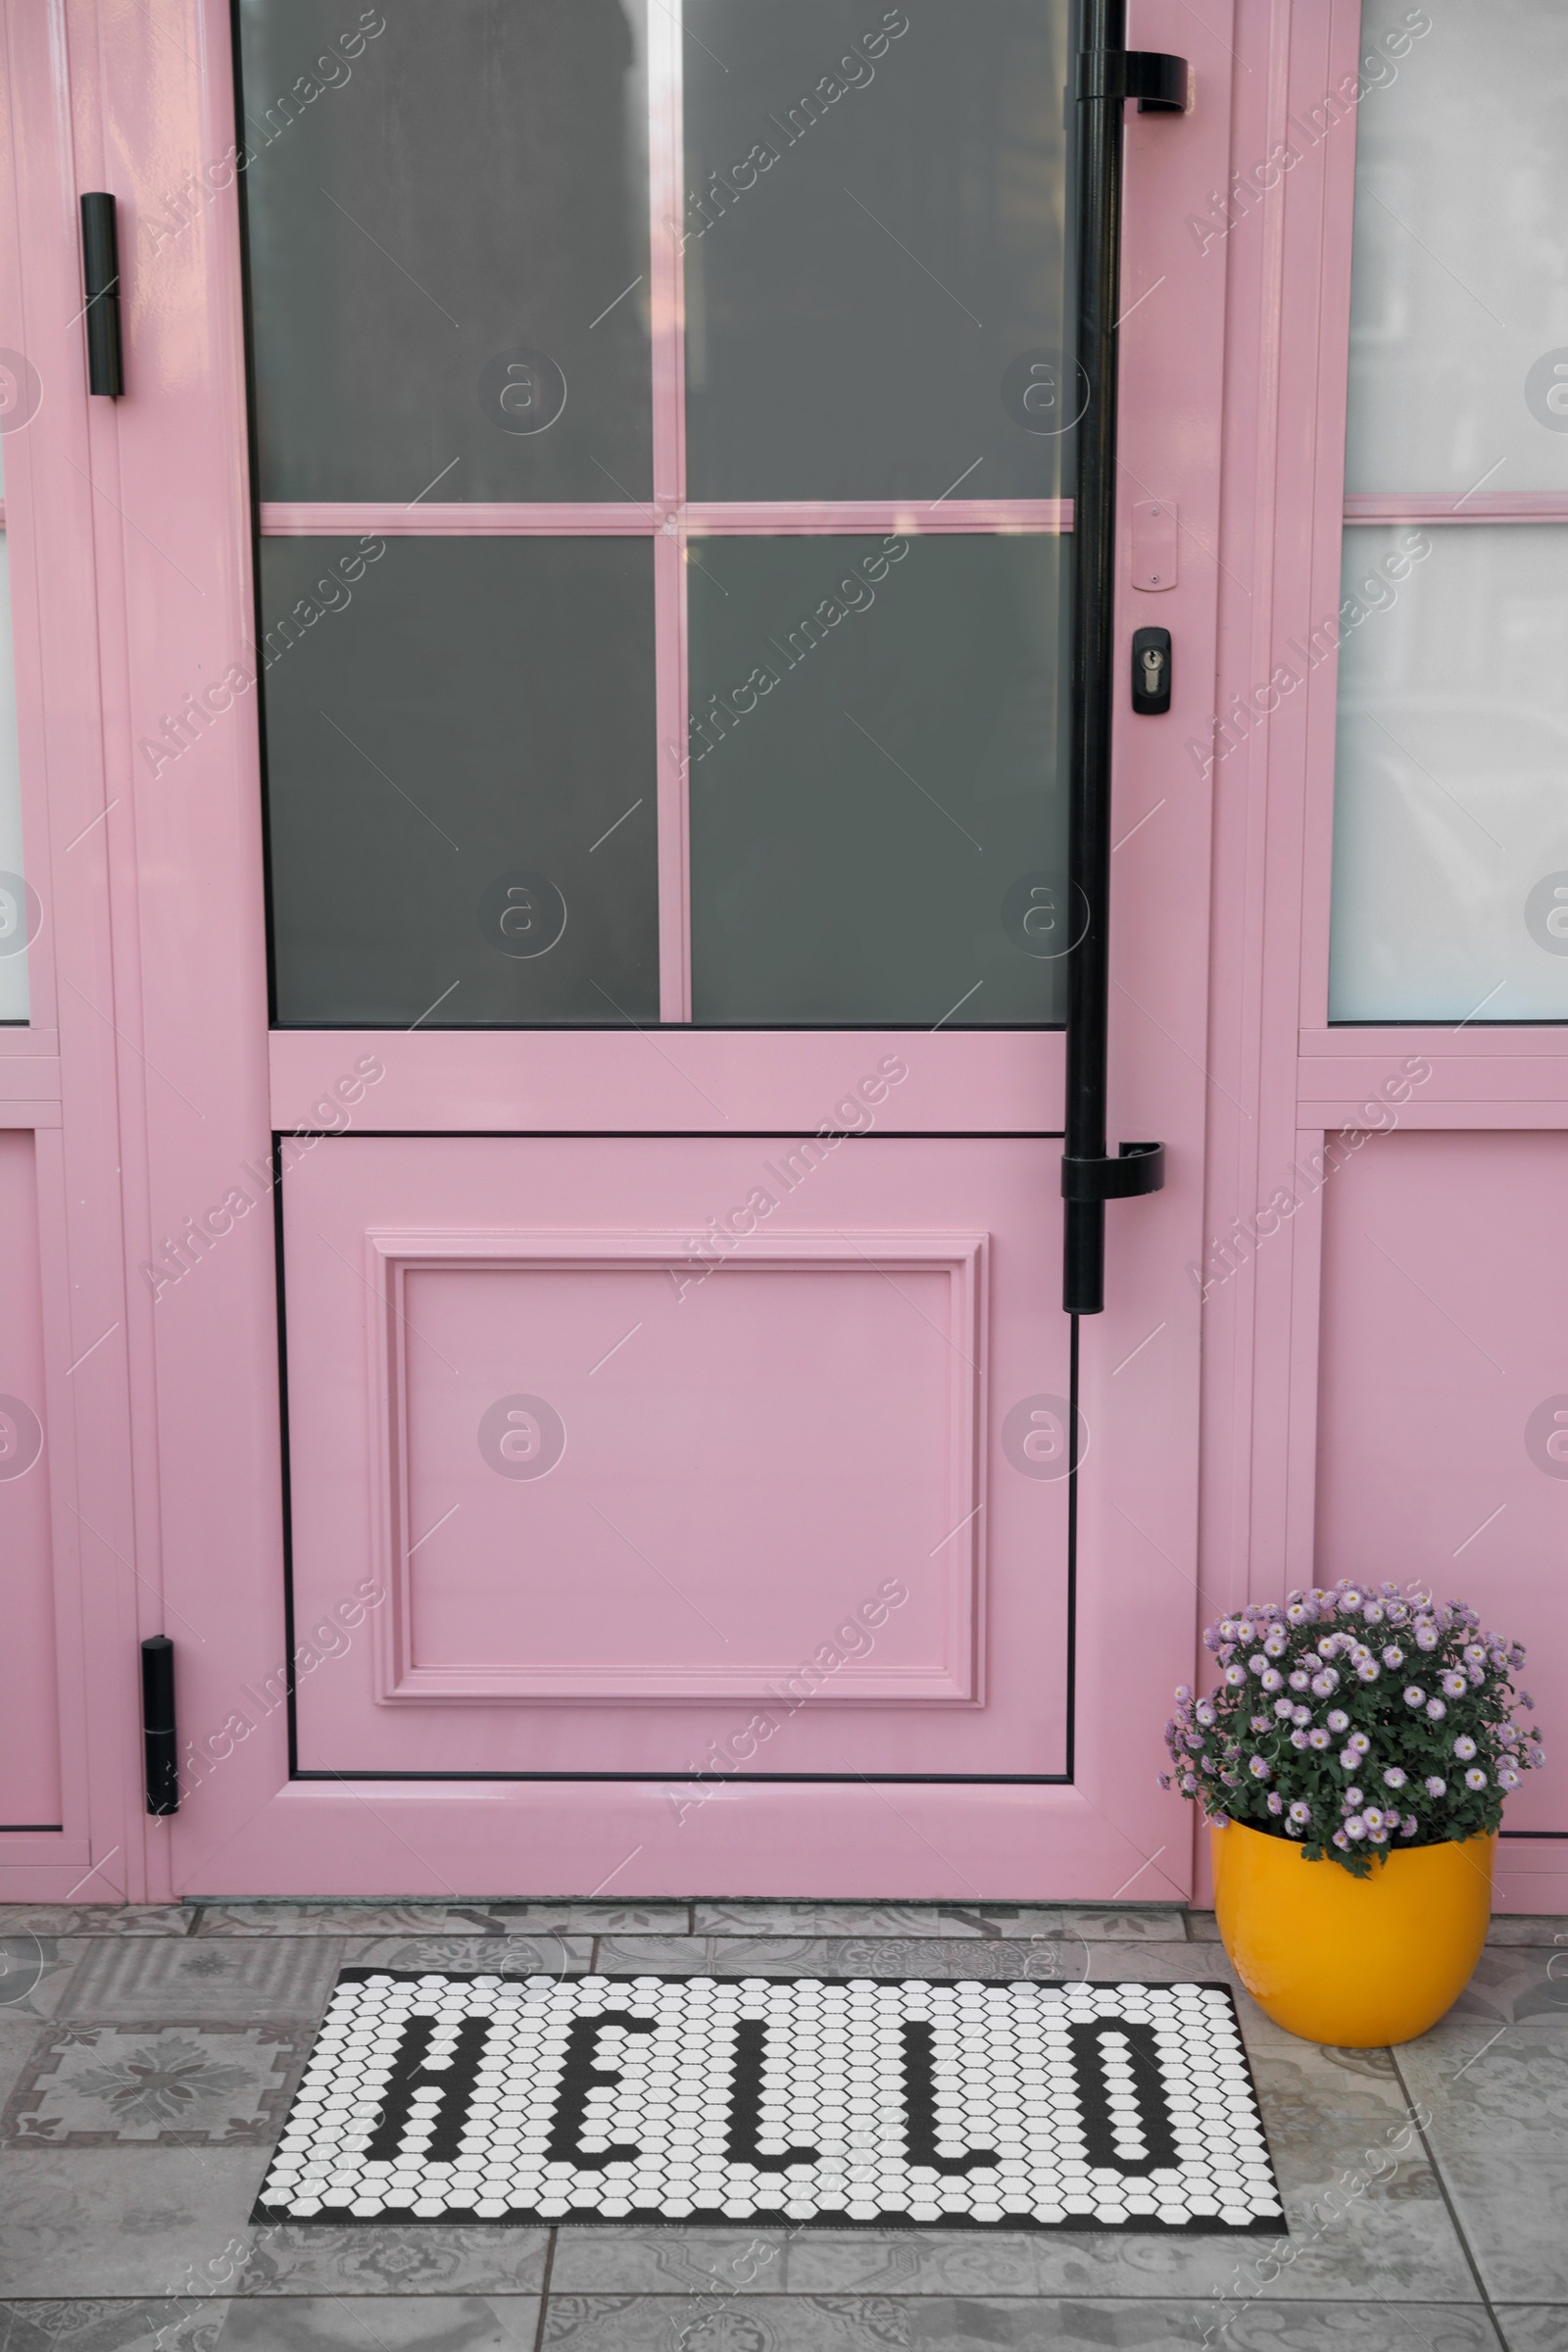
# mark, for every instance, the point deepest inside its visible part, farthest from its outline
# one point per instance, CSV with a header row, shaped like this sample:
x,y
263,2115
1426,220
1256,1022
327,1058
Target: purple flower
x,y
1164,1780
1393,1777
1188,1784
1258,1665
1260,1769
1349,1599
1475,1778
1373,1612
1204,1712
1276,1802
1300,1715
1414,1695
1464,1747
1300,1810
1435,1709
1369,1670
1338,1720
1298,1738
1355,1827
1359,1742
1436,1787
1378,1837
1287,1712
1475,1653
1301,1680
1393,1657
1426,1634
1318,1737
1258,1723
1272,1679
1235,1676
1454,1685
1348,1758
1374,1817
1341,1840
1408,1825
1507,1778
1350,1799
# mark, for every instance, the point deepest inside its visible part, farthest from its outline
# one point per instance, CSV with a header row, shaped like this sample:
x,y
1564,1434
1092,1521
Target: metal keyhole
x,y
1154,664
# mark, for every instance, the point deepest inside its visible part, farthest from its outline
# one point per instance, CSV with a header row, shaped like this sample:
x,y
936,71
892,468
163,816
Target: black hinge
x,y
1159,83
157,1724
100,285
1137,1168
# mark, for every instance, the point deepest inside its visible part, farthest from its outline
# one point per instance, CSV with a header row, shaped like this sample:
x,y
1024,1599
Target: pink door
x,y
600,766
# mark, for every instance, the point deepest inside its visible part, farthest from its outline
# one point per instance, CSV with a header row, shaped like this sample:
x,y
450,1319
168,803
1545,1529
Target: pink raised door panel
x,y
619,1463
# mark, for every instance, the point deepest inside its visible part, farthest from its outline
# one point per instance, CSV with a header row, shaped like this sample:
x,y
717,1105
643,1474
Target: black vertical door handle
x,y
100,286
1109,75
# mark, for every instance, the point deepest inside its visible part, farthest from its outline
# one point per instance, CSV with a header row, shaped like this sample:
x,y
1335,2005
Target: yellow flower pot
x,y
1356,1963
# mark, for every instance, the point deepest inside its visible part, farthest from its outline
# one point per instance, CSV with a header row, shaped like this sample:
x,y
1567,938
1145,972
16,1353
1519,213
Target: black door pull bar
x,y
1109,75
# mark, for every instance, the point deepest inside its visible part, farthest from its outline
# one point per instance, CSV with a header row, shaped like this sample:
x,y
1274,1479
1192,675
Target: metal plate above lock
x,y
1154,531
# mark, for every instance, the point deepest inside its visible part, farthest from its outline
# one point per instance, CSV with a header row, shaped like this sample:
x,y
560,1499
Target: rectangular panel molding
x,y
931,1436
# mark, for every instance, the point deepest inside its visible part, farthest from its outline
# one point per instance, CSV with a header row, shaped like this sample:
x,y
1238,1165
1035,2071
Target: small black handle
x,y
1137,1168
157,1724
100,282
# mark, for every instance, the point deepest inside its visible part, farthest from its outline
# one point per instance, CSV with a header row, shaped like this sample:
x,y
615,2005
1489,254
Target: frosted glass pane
x,y
1459,304
1451,797
17,917
447,228
875,247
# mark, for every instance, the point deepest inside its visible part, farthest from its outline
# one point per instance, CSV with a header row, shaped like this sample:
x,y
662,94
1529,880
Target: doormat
x,y
822,2101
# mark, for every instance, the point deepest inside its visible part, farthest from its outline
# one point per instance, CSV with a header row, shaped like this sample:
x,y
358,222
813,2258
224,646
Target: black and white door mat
x,y
808,2099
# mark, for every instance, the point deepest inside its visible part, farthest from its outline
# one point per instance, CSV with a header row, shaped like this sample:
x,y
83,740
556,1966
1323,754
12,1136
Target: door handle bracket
x,y
1137,1168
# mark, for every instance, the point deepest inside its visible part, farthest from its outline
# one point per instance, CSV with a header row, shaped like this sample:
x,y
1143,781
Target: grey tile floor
x,y
146,2058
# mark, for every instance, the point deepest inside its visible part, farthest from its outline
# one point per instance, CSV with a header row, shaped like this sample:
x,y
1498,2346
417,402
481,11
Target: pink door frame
x,y
132,529
1283,1080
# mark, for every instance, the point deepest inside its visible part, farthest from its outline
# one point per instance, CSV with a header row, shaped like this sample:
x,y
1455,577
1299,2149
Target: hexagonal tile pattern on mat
x,y
821,2101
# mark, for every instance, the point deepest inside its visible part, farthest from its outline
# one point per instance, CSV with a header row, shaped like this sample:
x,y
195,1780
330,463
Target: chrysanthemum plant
x,y
1358,1721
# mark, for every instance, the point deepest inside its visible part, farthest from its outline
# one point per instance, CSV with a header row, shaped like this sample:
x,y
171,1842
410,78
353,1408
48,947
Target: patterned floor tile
x,y
543,1955
673,2262
443,1918
35,1970
150,1978
1497,2089
190,2082
1063,1960
349,1919
866,2322
1520,1927
1534,2326
282,2259
996,1923
143,2220
113,2323
96,1919
429,2324
19,2039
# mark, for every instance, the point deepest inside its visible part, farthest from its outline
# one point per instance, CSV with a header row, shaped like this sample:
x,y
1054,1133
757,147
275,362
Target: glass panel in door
x,y
662,583
1450,847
